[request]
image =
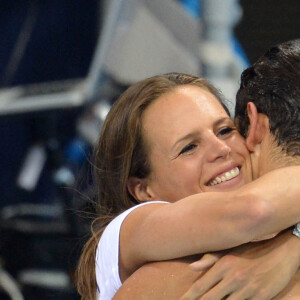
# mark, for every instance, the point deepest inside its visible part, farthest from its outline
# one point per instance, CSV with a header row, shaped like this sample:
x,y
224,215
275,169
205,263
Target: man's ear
x,y
139,189
255,132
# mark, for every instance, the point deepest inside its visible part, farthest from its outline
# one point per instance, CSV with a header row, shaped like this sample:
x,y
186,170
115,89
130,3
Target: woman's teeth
x,y
226,176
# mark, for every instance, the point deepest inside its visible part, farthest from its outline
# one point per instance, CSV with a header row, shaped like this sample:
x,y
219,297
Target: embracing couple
x,y
177,179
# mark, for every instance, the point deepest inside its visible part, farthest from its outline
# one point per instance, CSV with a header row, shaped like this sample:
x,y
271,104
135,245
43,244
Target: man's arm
x,y
247,271
259,270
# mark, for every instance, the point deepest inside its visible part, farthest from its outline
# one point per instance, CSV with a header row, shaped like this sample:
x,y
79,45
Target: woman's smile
x,y
225,176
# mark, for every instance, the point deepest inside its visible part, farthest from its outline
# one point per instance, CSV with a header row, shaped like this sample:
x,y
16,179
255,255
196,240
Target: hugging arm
x,y
253,271
210,221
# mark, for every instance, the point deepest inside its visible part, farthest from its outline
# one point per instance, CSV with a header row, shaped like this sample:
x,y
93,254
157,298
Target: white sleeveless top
x,y
107,256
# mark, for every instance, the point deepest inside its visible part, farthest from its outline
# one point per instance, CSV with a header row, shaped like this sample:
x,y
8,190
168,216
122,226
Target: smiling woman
x,y
189,135
165,141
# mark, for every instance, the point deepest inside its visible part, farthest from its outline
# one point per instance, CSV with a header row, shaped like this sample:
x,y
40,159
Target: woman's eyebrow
x,y
218,122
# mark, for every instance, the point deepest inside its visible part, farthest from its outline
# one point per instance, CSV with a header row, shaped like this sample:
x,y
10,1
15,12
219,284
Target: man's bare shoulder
x,y
159,280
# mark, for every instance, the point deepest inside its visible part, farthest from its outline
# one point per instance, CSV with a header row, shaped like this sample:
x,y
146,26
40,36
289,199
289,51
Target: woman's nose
x,y
218,149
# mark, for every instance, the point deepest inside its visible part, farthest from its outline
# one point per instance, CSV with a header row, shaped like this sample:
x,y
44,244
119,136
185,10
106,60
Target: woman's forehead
x,y
183,99
184,109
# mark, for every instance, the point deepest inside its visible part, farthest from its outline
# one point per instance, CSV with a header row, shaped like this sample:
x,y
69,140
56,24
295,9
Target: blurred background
x,y
62,65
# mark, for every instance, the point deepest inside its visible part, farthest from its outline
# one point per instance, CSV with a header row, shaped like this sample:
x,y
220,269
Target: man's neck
x,y
279,159
268,156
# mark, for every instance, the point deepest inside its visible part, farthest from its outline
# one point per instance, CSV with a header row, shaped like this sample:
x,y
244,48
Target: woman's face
x,y
193,145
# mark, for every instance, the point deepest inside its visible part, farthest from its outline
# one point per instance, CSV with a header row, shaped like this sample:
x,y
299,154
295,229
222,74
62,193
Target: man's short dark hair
x,y
273,85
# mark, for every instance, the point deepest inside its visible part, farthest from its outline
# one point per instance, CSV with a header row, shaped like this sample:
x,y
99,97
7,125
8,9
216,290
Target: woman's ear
x,y
139,189
255,130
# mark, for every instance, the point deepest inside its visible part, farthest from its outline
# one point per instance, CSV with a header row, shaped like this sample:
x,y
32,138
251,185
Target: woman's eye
x,y
187,148
225,130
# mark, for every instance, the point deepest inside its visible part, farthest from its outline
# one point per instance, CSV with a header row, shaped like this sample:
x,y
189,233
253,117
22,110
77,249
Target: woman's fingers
x,y
210,291
219,281
207,261
204,284
249,293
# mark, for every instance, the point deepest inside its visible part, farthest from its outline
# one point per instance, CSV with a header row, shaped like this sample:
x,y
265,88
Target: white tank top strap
x,y
107,256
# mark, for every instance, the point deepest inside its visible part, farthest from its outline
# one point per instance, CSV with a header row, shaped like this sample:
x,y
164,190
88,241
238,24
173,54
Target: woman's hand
x,y
254,271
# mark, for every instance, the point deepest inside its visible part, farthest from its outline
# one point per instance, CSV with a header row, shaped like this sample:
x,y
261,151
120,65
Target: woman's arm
x,y
210,221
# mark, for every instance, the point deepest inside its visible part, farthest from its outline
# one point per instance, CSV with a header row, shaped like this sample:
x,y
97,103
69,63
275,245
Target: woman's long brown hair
x,y
120,154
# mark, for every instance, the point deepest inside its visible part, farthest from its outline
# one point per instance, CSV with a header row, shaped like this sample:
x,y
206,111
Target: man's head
x,y
273,85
